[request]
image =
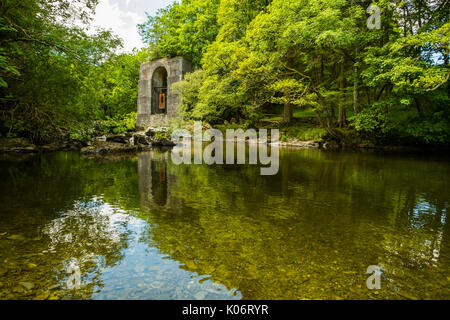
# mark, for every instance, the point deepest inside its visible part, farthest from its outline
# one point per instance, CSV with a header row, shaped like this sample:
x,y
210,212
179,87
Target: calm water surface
x,y
141,227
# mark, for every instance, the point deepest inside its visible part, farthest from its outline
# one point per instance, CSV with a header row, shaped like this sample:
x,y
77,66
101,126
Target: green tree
x,y
182,29
43,62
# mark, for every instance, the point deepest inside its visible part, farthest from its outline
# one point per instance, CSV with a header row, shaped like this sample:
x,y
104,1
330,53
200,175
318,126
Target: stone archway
x,y
155,82
159,91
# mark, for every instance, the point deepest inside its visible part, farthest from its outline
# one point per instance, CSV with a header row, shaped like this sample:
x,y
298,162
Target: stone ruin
x,y
157,102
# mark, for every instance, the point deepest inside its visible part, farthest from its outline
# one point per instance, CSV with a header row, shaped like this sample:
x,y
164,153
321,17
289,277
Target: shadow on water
x,y
141,227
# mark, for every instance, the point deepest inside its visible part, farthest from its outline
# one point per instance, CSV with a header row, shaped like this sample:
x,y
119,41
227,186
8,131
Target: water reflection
x,y
312,231
141,227
153,182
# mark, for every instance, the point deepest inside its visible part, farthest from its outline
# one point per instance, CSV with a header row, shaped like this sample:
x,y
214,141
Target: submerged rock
x,y
200,295
16,237
28,285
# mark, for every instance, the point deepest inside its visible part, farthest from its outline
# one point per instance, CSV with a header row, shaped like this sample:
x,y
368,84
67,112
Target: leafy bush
x,y
81,132
130,121
370,120
119,125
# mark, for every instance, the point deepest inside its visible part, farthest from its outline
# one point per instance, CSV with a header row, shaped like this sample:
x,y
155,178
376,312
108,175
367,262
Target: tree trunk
x,y
342,116
418,106
356,84
329,124
355,77
288,113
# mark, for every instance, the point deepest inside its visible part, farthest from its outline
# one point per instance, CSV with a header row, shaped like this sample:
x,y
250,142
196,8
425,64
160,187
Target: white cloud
x,y
123,23
122,17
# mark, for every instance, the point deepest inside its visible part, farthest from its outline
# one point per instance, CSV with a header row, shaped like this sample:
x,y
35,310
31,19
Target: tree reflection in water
x,y
312,231
141,227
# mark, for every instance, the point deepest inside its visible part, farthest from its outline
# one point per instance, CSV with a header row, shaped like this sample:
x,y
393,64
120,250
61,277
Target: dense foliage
x,y
386,83
55,77
252,58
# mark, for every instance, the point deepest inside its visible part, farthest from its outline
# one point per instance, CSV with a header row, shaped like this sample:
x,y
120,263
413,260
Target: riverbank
x,y
139,142
105,144
303,132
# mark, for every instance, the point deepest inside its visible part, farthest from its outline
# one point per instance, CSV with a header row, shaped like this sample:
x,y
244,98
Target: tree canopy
x,y
55,76
322,55
371,69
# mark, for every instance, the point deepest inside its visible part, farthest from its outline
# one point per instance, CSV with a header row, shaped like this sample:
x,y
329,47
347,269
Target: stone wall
x,y
176,69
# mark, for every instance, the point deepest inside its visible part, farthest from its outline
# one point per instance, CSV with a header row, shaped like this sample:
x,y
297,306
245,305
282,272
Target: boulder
x,y
151,132
119,138
141,139
162,142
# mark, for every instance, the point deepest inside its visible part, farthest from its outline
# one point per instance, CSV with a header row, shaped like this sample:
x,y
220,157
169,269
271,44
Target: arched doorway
x,y
159,91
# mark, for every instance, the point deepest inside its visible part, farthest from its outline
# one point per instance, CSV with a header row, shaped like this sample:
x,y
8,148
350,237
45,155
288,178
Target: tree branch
x,y
296,71
440,84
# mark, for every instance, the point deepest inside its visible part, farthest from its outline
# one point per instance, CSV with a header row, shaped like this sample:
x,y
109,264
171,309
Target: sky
x,y
122,17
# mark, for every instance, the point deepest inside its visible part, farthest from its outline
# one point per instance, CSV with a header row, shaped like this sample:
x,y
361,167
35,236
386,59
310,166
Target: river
x,y
138,226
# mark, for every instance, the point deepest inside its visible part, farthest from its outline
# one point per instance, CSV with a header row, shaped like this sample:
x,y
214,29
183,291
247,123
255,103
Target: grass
x,y
303,131
303,127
